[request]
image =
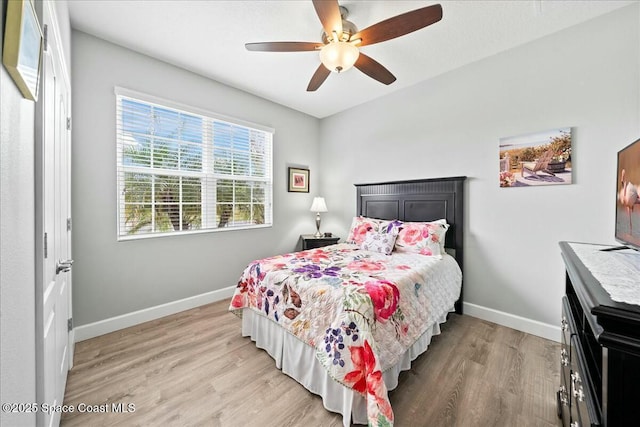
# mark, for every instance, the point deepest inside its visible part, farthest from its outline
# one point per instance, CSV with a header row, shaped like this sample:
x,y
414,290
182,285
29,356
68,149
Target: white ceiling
x,y
208,37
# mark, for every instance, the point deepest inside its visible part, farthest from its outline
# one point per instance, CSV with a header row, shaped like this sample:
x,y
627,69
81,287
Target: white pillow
x,y
379,242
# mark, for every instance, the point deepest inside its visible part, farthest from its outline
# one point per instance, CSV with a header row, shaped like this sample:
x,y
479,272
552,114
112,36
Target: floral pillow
x,y
393,226
380,242
444,223
426,238
360,226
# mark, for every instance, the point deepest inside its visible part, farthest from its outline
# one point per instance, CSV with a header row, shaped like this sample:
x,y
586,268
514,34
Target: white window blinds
x,y
182,170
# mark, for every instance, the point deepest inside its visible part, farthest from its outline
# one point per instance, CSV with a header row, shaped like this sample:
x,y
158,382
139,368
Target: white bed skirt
x,y
297,359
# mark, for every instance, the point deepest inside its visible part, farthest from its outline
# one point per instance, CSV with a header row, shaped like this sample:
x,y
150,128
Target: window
x,y
181,170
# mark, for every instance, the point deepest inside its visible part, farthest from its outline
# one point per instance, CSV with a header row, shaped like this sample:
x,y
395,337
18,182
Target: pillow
x,y
393,226
375,241
360,226
426,238
444,222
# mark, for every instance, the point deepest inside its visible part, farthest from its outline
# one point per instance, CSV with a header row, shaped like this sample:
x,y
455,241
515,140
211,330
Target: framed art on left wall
x,y
22,50
298,180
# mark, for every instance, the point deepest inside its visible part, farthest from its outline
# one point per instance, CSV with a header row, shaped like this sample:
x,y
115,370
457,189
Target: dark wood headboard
x,y
420,200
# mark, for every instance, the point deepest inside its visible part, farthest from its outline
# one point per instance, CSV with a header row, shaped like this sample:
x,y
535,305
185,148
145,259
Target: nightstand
x,y
309,241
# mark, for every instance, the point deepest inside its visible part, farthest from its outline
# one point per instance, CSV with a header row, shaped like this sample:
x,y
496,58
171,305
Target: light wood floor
x,y
194,369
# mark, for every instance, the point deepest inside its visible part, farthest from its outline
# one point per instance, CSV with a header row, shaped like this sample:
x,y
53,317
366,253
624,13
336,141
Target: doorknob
x,y
64,266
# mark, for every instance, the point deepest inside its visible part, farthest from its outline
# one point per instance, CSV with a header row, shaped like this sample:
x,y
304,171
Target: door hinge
x,y
70,324
68,224
45,245
68,123
45,37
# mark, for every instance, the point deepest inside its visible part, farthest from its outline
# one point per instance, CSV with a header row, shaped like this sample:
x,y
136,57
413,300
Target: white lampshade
x,y
318,205
339,56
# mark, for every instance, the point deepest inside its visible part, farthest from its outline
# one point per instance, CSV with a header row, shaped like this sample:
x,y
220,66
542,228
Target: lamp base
x,y
318,233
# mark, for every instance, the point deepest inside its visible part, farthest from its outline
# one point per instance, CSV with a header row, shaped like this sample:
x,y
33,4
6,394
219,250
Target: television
x,y
627,198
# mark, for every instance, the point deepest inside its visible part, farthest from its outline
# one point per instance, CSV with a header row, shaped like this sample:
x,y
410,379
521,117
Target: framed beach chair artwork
x,y
541,158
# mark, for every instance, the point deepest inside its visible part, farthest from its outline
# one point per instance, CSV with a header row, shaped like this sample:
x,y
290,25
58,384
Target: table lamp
x,y
318,206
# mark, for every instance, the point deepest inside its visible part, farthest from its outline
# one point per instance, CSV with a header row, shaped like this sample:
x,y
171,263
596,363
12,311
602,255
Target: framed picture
x,y
541,158
298,180
22,51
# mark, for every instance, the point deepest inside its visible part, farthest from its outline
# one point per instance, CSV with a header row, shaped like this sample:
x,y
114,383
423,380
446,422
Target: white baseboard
x,y
106,326
523,324
102,327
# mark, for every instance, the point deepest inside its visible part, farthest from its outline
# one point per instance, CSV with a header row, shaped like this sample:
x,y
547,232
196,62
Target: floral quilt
x,y
360,310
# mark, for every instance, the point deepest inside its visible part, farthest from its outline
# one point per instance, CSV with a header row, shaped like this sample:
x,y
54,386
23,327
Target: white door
x,y
53,294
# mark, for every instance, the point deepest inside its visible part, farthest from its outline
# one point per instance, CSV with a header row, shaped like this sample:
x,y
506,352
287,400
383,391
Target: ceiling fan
x,y
339,49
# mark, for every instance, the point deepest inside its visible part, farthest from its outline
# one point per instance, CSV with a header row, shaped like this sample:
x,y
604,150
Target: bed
x,y
346,319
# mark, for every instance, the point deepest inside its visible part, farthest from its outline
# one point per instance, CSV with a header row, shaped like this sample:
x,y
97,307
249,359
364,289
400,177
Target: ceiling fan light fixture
x,y
339,56
341,40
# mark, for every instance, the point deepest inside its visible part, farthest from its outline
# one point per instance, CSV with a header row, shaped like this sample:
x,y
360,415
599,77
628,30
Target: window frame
x,y
208,178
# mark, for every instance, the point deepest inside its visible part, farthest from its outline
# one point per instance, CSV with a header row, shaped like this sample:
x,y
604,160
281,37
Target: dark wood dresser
x,y
600,355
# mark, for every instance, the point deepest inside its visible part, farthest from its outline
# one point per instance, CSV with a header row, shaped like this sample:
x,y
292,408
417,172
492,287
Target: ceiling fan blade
x,y
283,46
329,13
318,78
399,25
374,69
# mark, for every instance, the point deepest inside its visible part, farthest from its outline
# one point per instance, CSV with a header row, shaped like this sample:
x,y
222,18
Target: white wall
x,y
115,278
17,254
586,77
